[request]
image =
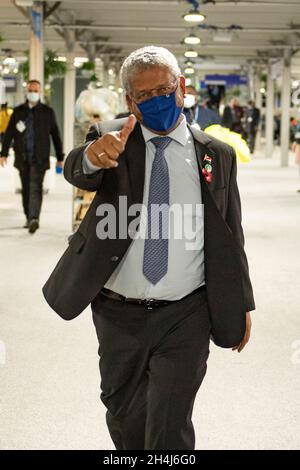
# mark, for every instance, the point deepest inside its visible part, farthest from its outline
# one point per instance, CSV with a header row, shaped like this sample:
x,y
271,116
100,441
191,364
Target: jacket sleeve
x,y
9,135
234,221
73,169
54,131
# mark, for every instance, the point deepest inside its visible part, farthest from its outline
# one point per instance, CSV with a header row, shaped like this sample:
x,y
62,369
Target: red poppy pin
x,y
207,170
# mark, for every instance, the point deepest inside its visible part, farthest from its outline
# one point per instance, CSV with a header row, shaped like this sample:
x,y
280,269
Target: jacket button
x,y
114,258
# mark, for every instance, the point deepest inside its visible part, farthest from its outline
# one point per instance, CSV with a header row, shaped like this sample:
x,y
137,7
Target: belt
x,y
149,304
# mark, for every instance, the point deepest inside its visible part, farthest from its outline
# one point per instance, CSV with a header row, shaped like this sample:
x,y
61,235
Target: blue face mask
x,y
160,113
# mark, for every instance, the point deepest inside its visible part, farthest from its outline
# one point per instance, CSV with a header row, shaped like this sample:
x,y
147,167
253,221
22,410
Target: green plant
x,y
90,66
52,66
93,78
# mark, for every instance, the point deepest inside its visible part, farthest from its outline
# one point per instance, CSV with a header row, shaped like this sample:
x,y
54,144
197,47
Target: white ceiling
x,y
111,29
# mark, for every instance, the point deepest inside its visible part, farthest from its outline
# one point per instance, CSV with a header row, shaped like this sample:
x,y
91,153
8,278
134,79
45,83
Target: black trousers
x,y
32,190
152,363
251,140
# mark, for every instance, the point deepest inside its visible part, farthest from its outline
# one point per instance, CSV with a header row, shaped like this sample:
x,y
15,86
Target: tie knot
x,y
161,143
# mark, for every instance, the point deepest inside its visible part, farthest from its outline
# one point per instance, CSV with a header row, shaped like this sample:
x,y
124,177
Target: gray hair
x,y
144,58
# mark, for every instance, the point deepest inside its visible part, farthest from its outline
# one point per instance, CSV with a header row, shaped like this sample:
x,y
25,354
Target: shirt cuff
x,y
87,165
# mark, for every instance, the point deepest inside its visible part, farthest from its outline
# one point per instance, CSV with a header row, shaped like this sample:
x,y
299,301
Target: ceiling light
x,y
9,61
189,70
78,61
194,16
222,36
191,53
192,39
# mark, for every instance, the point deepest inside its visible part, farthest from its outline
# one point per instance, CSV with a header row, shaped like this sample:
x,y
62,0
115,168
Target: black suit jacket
x,y
88,262
45,125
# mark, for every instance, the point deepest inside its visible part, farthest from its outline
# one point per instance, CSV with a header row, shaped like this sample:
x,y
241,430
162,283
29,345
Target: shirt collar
x,y
180,134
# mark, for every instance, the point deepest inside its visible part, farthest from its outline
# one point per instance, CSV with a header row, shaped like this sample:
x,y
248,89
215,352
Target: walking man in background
x,y
157,298
196,113
232,117
252,123
30,127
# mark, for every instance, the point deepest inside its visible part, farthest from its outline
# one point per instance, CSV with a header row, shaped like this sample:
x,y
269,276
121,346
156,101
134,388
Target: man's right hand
x,y
105,151
3,161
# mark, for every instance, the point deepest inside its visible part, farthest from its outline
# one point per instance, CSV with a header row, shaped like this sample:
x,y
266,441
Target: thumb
x,y
127,128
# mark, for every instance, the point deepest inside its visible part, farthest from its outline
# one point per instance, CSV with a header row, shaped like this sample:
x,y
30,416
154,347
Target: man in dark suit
x,y
157,297
232,117
30,127
252,123
195,113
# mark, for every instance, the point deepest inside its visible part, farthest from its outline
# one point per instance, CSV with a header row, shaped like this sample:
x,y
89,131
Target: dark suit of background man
x,y
232,117
30,127
156,302
252,123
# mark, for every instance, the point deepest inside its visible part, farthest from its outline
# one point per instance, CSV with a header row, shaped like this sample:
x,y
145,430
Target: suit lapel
x,y
202,146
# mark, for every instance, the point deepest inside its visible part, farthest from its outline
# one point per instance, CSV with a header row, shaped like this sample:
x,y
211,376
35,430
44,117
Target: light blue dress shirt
x,y
186,254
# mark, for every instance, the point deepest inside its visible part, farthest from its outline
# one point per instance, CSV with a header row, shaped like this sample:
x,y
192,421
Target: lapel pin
x,y
207,158
207,170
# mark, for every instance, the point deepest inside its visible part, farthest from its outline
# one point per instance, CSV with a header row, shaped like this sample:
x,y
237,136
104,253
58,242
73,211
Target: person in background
x,y
195,113
232,117
30,127
252,123
5,114
296,147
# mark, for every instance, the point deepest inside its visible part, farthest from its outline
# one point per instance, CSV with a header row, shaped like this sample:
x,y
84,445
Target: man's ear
x,y
182,84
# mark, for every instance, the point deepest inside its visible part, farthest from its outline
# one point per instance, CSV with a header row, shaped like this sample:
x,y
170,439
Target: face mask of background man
x,y
191,97
33,92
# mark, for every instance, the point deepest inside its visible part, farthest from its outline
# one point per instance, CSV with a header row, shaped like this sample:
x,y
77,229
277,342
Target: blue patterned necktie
x,y
155,263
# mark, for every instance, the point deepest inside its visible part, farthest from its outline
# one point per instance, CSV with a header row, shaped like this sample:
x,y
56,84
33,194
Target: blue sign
x,y
226,80
37,23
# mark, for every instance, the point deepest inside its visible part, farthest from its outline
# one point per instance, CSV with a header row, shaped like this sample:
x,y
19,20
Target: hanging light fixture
x,y
192,39
189,68
191,54
194,16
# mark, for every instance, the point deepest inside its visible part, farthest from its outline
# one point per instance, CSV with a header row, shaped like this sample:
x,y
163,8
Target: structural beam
x,y
36,50
285,109
270,112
